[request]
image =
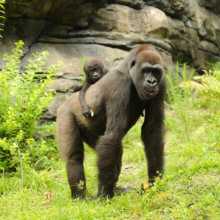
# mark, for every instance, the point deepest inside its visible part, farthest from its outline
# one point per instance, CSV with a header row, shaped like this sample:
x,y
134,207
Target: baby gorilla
x,y
94,70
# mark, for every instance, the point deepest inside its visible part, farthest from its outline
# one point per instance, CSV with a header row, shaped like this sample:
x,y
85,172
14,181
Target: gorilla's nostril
x,y
152,82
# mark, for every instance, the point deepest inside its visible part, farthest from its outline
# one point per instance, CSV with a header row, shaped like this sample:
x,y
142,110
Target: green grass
x,y
190,188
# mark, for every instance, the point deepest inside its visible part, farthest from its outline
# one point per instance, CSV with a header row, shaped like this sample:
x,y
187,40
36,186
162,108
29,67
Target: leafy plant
x,y
207,86
178,97
82,61
2,17
194,92
23,98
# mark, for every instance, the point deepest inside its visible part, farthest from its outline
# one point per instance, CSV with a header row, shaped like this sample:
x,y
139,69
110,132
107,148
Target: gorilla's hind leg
x,y
72,150
75,174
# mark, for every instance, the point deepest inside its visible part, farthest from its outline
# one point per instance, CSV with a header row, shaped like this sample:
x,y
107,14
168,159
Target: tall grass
x,y
179,98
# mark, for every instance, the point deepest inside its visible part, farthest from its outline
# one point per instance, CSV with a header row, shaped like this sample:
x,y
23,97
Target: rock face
x,y
184,30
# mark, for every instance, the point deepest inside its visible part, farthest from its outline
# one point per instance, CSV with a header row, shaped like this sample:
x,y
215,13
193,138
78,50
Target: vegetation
x,y
22,102
190,187
2,15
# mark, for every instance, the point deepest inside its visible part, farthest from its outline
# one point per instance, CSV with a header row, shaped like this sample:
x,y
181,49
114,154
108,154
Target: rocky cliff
x,y
184,30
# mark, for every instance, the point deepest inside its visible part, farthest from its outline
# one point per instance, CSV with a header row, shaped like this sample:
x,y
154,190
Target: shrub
x,y
179,97
206,87
23,98
194,92
2,15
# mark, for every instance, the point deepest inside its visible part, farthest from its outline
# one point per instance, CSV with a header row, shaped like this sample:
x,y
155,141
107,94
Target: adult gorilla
x,y
118,100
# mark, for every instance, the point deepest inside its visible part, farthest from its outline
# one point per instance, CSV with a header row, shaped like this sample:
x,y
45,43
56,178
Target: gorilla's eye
x,y
158,71
133,63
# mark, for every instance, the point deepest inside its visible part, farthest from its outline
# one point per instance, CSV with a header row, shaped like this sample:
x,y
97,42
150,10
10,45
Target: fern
x,y
205,86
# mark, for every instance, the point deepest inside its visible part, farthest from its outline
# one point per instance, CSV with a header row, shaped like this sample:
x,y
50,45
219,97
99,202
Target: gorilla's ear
x,y
133,62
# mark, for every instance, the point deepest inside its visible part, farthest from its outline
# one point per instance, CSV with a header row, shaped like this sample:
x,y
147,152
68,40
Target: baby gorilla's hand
x,y
88,113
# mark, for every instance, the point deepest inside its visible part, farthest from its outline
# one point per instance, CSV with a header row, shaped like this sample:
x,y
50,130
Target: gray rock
x,y
51,112
211,4
206,23
66,53
171,7
208,47
58,100
137,4
63,85
127,20
111,39
73,55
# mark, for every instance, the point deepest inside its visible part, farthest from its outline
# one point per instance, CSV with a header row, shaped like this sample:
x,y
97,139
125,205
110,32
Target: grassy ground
x,y
190,188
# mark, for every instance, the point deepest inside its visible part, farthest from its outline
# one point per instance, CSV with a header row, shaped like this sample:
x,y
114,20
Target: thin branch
x,y
39,161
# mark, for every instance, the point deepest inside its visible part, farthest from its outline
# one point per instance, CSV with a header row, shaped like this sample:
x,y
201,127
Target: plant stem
x,y
22,175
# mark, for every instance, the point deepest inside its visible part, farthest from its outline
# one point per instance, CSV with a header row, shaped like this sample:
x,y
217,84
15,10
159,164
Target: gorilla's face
x,y
95,73
147,74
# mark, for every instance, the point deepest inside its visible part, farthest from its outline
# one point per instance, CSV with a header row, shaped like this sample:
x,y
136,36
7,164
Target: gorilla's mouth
x,y
147,94
150,92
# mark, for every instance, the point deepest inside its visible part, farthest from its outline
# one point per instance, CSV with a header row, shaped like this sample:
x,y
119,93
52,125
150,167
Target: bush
x,y
179,97
2,15
23,98
206,87
194,92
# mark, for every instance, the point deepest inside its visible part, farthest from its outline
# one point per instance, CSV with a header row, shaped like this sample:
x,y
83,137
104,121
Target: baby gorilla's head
x,y
94,69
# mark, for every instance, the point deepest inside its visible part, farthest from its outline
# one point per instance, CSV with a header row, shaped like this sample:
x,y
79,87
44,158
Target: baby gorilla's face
x,y
95,73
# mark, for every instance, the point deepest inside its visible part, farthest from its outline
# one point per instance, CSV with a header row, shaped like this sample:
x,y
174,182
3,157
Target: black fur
x,y
118,100
94,71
